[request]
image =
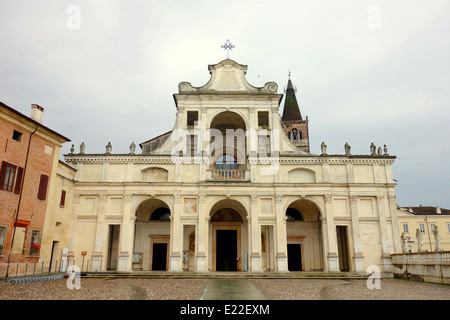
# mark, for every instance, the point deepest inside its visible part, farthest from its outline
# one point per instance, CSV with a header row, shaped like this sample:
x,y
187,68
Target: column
x,y
358,256
100,236
202,235
330,229
385,256
396,231
176,236
281,237
255,236
126,235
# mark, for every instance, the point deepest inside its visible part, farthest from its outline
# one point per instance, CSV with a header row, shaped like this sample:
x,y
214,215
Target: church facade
x,y
230,189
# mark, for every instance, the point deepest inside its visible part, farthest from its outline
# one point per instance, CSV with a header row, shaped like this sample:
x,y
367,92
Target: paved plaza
x,y
223,289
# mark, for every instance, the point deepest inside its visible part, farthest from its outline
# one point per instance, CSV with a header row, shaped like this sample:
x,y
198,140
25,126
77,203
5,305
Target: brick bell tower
x,y
292,122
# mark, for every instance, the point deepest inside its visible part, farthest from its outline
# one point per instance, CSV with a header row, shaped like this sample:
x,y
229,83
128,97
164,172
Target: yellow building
x,y
426,220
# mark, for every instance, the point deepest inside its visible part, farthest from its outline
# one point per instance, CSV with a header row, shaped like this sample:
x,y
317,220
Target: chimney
x,y
36,113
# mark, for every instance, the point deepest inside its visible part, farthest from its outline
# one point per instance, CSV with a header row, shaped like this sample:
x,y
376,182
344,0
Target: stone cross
x,y
228,46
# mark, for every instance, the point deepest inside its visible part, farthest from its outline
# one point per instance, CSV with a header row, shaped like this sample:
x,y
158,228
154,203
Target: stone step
x,y
235,275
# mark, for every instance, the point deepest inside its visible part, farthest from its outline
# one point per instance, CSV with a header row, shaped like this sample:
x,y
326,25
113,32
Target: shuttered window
x,y
10,174
42,193
63,199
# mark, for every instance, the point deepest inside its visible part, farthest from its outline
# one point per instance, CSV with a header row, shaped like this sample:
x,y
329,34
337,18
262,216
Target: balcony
x,y
227,174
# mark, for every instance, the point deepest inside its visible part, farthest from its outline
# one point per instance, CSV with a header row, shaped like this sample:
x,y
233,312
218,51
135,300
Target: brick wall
x,y
40,161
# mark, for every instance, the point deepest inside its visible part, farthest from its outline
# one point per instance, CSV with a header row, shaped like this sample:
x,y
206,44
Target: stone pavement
x,y
231,289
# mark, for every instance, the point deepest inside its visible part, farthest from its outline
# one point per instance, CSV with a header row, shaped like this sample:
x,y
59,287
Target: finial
x,y
289,74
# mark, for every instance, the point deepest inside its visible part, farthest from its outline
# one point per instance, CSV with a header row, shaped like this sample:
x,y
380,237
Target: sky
x,y
365,71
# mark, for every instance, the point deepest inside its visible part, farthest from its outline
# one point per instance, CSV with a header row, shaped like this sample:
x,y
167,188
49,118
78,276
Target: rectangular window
x,y
7,176
432,226
263,145
34,244
422,228
192,118
17,136
405,228
263,118
62,202
42,193
2,239
191,145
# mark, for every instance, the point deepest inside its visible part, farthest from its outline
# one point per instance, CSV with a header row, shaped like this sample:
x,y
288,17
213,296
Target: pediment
x,y
227,76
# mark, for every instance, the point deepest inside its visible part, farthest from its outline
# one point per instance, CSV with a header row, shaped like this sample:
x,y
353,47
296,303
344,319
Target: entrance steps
x,y
223,275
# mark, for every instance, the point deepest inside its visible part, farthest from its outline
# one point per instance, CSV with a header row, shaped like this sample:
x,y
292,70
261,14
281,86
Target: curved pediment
x,y
227,76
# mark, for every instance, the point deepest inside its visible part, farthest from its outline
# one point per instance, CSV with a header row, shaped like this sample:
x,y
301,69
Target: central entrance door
x,y
294,257
226,250
159,256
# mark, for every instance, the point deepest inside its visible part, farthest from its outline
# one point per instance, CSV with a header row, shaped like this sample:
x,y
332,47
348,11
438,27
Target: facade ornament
x,y
76,198
347,149
279,198
373,149
128,197
385,151
323,147
72,149
328,197
380,199
103,197
353,199
82,148
419,240
254,197
437,238
132,148
177,198
202,197
108,148
392,198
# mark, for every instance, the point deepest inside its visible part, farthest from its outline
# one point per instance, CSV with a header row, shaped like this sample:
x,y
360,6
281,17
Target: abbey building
x,y
233,187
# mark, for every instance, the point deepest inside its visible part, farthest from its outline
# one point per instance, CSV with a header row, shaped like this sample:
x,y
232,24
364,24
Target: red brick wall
x,y
31,208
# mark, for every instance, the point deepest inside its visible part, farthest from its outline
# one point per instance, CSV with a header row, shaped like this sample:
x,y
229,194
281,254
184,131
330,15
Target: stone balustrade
x,y
423,266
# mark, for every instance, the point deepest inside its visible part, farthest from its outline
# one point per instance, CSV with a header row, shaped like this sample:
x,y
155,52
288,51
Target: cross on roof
x,y
228,46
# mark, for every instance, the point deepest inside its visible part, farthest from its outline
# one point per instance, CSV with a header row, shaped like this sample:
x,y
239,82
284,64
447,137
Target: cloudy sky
x,y
366,71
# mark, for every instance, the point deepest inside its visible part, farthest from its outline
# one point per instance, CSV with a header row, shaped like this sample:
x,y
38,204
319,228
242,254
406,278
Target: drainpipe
x,y
20,199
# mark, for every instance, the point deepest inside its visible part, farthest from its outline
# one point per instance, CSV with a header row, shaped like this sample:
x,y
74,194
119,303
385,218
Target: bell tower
x,y
292,122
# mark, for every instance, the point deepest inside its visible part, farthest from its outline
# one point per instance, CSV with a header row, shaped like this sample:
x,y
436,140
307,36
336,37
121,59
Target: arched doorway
x,y
304,241
228,236
152,236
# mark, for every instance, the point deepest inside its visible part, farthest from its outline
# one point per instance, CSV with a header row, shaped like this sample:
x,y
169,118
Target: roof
x,y
33,121
291,111
427,210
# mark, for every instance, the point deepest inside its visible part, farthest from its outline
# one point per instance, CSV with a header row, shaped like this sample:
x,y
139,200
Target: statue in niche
x,y
347,149
437,238
419,240
132,148
109,147
82,148
323,146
